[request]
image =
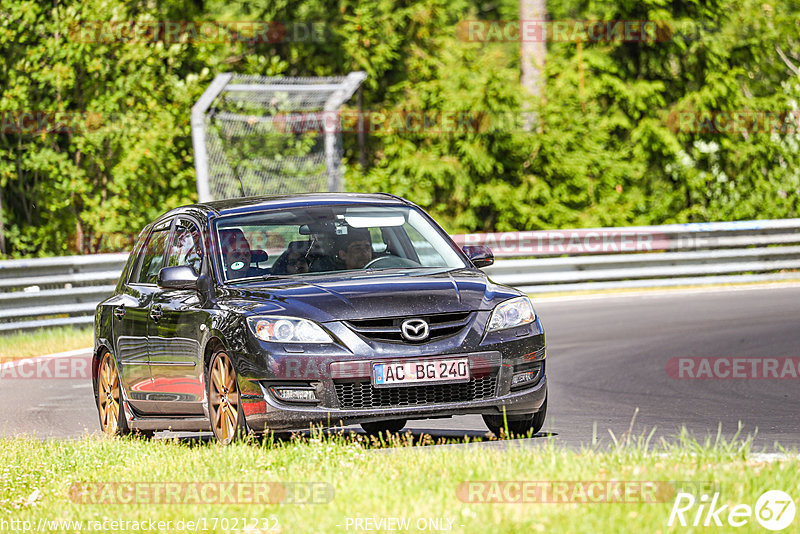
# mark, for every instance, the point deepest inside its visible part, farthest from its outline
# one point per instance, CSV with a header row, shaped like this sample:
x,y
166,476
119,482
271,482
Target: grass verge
x,y
415,484
45,341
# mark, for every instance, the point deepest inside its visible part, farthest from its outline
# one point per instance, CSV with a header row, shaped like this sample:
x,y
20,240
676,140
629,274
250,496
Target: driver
x,y
235,252
355,248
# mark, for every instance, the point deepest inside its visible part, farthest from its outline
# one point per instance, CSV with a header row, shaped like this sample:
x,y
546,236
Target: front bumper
x,y
266,414
341,379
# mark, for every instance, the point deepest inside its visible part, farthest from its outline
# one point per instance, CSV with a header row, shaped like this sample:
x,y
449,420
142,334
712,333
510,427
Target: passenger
x,y
293,260
296,263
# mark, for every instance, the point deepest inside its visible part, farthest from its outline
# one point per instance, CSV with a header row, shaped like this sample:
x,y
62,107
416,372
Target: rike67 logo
x,y
774,510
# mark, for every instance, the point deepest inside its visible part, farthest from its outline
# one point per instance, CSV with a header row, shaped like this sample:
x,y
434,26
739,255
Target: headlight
x,y
515,312
288,330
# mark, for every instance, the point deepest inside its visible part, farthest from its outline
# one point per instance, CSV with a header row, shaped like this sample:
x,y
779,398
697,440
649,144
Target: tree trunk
x,y
532,51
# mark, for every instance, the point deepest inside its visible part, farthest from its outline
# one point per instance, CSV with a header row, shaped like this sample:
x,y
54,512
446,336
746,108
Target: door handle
x,y
156,313
119,311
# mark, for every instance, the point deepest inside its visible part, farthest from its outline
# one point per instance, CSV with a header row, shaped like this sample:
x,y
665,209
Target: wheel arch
x,y
101,349
213,345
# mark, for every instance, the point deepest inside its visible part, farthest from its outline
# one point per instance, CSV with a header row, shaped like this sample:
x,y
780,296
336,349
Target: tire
x,y
517,425
110,408
224,400
386,427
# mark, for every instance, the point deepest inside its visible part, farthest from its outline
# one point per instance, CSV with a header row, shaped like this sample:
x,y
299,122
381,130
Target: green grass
x,y
368,480
45,341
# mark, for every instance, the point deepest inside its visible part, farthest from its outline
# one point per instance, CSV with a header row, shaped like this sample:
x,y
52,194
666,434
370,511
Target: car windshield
x,y
306,240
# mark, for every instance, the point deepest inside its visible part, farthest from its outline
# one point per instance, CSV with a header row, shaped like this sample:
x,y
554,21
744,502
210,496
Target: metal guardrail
x,y
65,290
44,292
645,256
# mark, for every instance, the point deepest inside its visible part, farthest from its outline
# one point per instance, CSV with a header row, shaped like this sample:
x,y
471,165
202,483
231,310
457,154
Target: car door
x,y
132,320
176,360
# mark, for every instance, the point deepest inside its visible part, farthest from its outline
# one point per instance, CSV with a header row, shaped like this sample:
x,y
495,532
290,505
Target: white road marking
x,y
772,456
664,292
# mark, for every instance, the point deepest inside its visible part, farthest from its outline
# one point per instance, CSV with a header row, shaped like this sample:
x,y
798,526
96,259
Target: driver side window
x,y
154,255
186,246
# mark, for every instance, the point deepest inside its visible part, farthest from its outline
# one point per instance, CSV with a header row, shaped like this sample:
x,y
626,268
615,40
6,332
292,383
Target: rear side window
x,y
153,255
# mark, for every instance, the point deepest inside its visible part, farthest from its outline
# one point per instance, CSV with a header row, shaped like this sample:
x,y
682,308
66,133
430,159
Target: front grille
x,y
388,328
360,395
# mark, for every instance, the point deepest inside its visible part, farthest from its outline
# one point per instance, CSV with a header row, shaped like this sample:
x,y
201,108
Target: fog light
x,y
295,394
525,378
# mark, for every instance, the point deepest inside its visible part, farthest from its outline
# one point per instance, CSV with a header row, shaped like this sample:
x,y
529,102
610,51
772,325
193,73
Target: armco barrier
x,y
56,291
644,256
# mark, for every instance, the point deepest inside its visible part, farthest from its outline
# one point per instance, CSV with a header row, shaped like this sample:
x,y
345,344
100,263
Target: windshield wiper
x,y
275,276
264,277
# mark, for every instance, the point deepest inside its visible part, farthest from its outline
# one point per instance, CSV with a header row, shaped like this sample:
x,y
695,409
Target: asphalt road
x,y
607,356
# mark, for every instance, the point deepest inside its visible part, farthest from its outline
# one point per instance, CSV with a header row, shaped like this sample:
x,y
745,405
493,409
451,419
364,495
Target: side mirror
x,y
480,255
180,277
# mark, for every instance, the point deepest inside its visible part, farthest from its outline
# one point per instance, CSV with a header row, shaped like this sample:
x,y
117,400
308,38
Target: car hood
x,y
389,293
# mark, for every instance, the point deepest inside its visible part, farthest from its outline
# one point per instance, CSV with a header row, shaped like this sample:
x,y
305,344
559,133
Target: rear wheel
x,y
517,425
109,398
385,427
224,400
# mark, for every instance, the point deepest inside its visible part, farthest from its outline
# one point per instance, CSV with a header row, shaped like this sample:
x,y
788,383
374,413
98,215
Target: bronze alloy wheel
x,y
227,419
108,396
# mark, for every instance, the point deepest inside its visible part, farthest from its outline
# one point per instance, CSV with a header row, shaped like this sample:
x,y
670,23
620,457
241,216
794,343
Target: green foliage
x,y
606,149
612,141
718,57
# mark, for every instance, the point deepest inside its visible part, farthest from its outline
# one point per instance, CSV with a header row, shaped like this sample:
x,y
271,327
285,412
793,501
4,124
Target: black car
x,y
277,313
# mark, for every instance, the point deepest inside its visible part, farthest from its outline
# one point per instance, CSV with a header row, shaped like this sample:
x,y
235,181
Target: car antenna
x,y
239,177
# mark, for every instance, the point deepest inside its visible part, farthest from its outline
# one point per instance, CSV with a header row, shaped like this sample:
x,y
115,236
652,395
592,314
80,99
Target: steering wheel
x,y
390,261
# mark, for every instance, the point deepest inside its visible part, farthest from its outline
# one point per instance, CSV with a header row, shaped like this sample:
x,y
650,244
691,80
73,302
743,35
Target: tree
x,y
627,129
532,51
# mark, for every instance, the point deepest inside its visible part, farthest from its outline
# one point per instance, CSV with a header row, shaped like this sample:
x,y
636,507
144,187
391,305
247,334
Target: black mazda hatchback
x,y
277,313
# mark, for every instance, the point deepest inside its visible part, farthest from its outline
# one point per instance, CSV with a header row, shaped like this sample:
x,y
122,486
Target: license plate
x,y
423,371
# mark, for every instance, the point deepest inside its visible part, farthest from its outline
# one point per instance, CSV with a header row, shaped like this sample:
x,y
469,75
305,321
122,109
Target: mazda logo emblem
x,y
414,329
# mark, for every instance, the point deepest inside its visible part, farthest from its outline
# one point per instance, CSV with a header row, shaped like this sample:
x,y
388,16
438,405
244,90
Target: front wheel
x,y
224,400
517,425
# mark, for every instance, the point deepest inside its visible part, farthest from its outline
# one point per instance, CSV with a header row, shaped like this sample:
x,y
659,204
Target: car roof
x,y
253,204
